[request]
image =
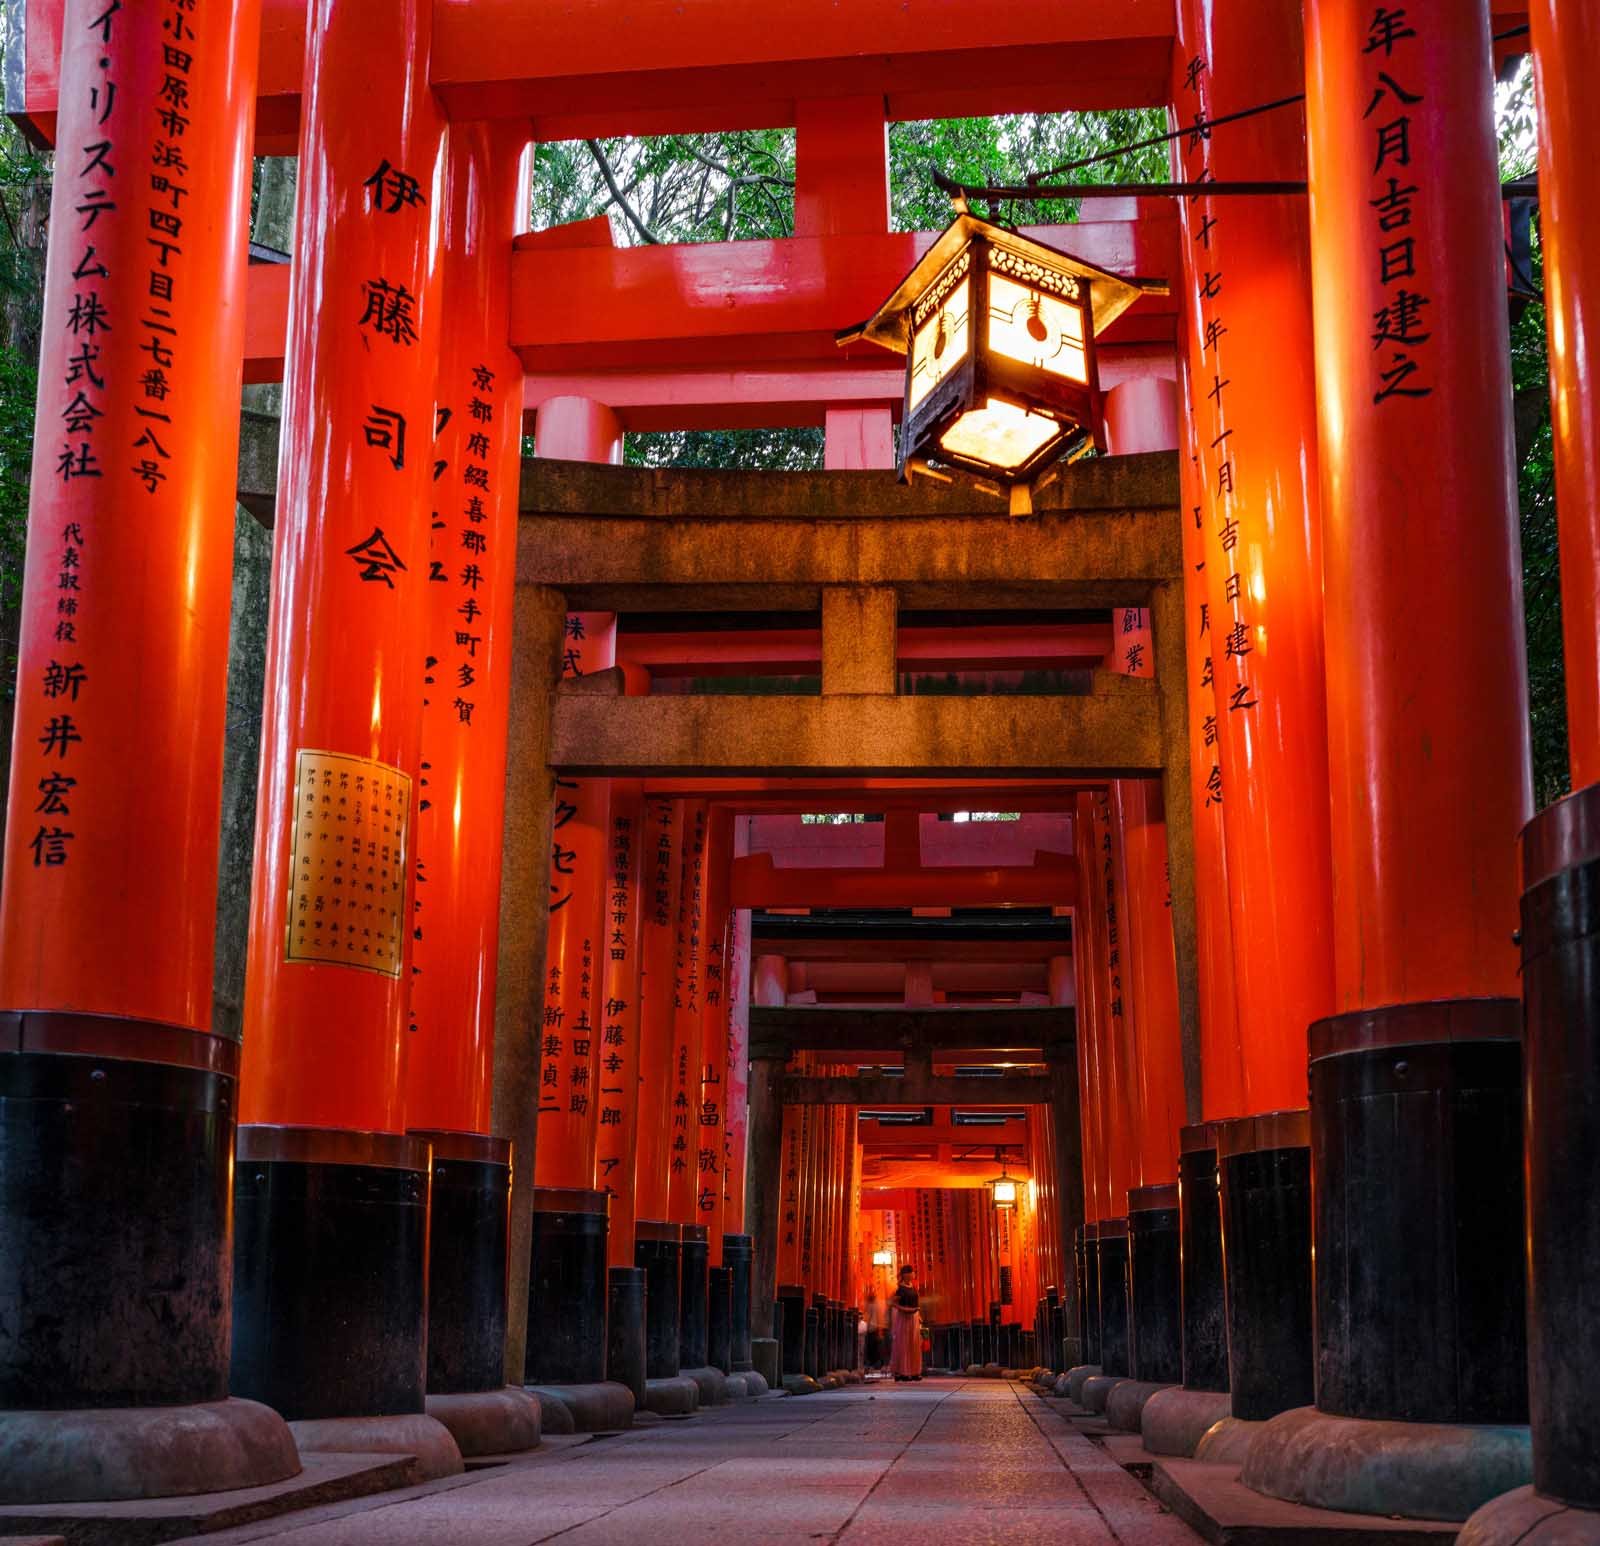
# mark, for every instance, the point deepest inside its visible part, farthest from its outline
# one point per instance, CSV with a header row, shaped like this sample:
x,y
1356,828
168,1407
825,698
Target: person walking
x,y
905,1342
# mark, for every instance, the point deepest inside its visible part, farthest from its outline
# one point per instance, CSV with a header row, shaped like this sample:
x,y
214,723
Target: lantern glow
x,y
882,1258
999,333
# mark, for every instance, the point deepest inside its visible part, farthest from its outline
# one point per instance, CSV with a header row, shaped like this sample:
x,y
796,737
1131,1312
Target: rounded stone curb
x,y
1077,1377
1527,1518
673,1396
426,1439
120,1454
489,1422
1174,1420
600,1407
1227,1441
1097,1391
1125,1405
1415,1470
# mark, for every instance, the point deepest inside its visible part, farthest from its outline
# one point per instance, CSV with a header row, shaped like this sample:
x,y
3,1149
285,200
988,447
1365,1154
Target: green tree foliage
x,y
740,187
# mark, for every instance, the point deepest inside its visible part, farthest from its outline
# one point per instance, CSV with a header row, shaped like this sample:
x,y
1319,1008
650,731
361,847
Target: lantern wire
x,y
1199,126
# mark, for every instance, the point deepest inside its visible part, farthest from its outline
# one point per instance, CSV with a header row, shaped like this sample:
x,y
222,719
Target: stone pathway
x,y
955,1462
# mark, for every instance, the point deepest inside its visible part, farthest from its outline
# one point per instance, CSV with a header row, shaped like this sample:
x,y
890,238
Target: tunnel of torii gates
x,y
573,1056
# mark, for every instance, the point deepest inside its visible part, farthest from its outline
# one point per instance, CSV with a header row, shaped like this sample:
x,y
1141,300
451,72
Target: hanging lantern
x,y
883,1257
999,334
1002,1189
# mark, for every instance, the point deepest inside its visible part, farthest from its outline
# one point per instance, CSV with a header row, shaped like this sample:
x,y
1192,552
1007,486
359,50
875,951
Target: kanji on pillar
x,y
459,814
116,1102
330,1314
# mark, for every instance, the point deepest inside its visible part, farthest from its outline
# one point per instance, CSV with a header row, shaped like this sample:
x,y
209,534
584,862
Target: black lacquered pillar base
x,y
1116,1331
792,1302
1264,1164
719,1319
813,1343
567,1288
1561,989
625,1330
468,1229
115,1265
656,1249
738,1255
1416,1155
1205,1314
692,1301
330,1316
1154,1278
1089,1298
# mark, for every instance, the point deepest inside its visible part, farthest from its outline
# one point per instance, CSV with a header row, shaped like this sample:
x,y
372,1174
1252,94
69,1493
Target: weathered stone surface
x,y
1097,1391
111,1453
1358,1466
1078,1377
1125,1404
1227,1441
432,1449
1525,1518
600,1407
677,1396
1174,1420
712,1384
490,1422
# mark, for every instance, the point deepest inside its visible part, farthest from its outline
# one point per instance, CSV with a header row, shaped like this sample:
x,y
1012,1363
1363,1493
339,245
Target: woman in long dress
x,y
905,1331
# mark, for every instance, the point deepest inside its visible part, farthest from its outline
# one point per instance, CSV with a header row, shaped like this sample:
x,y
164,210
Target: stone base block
x,y
756,1384
712,1383
1527,1518
1125,1405
489,1422
1213,1502
1097,1391
112,1453
1175,1419
766,1355
600,1407
800,1385
555,1416
1227,1442
1414,1470
675,1396
831,1381
1076,1378
1061,1386
321,1480
429,1443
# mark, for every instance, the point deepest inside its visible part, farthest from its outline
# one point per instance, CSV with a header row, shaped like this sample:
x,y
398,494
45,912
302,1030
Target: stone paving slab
x,y
1227,1513
950,1461
324,1478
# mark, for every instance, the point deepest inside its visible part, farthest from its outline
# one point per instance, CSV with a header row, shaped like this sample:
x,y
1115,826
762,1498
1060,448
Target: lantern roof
x,y
1110,294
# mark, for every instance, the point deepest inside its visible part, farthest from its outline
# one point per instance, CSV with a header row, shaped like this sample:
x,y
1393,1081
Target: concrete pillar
x,y
116,1101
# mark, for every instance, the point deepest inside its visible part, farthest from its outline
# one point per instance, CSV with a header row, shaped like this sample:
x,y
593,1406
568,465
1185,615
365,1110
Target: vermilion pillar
x,y
658,1240
329,1315
1429,776
738,1240
1247,311
567,1282
712,1105
1565,39
1562,1052
116,1104
460,792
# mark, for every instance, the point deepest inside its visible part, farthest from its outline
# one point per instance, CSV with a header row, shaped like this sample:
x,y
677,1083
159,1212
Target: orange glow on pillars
x,y
1428,747
326,986
617,1071
1221,1055
570,1035
688,988
1091,1012
1116,1049
789,1233
1246,337
461,781
711,1109
657,957
111,847
738,1124
1141,817
1566,42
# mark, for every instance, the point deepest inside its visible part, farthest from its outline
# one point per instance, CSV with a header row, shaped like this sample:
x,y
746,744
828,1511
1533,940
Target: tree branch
x,y
645,233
